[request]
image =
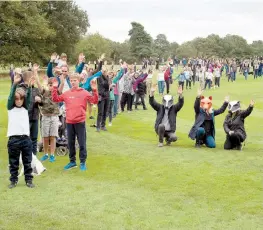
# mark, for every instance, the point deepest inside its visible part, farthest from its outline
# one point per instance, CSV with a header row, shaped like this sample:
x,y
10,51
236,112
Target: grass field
x,y
132,184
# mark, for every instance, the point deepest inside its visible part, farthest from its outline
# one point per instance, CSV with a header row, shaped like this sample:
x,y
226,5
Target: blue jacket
x,y
181,78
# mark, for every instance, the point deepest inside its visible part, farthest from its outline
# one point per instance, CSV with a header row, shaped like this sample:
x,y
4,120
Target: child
x,y
217,77
161,81
76,100
187,77
18,132
181,79
50,120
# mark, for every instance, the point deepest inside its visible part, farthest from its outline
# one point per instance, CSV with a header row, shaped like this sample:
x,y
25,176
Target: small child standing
x,y
50,120
18,131
76,100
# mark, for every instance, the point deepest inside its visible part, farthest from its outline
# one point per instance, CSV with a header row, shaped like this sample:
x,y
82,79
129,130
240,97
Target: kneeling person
x,y
165,124
234,125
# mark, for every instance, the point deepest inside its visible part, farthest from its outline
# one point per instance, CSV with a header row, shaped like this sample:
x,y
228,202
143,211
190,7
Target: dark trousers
x,y
182,84
126,98
62,128
20,145
102,112
233,141
142,100
188,83
116,105
110,110
34,135
208,82
193,79
217,81
167,82
77,130
168,135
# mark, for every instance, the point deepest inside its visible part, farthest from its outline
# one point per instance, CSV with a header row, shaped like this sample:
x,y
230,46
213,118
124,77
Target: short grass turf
x,y
132,184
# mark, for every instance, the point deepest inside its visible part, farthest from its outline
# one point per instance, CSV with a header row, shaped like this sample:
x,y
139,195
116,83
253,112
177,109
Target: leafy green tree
x,y
161,46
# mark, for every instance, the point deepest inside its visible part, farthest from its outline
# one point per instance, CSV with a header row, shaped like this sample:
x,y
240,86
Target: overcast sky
x,y
179,20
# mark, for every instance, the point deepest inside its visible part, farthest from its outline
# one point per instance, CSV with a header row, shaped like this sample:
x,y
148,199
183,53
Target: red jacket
x,y
167,74
75,102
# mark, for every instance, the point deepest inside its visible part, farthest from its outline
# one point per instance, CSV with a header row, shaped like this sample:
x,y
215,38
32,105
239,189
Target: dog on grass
x,y
37,166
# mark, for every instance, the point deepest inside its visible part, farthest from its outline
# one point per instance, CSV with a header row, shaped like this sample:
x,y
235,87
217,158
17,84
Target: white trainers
x,y
110,124
160,145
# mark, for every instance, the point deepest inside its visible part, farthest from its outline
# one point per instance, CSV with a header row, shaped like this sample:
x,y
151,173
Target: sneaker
x,y
97,130
197,145
104,129
110,124
13,184
52,158
83,167
70,165
91,118
44,158
29,184
168,143
160,145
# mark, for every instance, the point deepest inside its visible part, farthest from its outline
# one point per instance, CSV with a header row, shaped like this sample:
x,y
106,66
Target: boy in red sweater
x,y
75,101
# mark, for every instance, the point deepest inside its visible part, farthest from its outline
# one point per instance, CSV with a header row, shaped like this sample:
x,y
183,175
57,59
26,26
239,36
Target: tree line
x,y
30,31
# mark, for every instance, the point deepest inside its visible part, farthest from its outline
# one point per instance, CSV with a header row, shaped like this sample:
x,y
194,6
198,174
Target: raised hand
x,y
37,99
18,71
53,57
93,85
17,79
227,99
231,133
252,102
81,57
153,88
55,83
102,57
35,67
180,90
199,92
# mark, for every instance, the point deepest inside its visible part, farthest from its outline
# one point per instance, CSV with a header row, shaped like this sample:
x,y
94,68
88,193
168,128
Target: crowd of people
x,y
58,104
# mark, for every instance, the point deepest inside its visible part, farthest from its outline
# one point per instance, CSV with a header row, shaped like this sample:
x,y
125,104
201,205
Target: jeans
x,y
116,105
208,140
181,83
161,87
110,110
255,73
20,145
34,135
233,76
79,130
188,84
245,75
102,112
208,82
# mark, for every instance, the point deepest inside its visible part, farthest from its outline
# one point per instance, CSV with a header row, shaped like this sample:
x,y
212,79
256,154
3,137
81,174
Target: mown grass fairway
x,y
132,184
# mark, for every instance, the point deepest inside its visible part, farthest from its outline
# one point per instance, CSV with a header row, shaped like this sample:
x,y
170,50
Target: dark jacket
x,y
103,87
172,112
236,123
200,118
141,88
33,110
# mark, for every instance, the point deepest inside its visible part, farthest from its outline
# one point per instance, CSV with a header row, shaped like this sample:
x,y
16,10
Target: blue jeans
x,y
116,105
161,86
233,76
79,130
208,82
208,140
245,74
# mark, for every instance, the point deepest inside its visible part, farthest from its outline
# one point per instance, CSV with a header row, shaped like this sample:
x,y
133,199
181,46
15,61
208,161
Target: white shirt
x,y
209,76
160,77
65,87
18,122
150,76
